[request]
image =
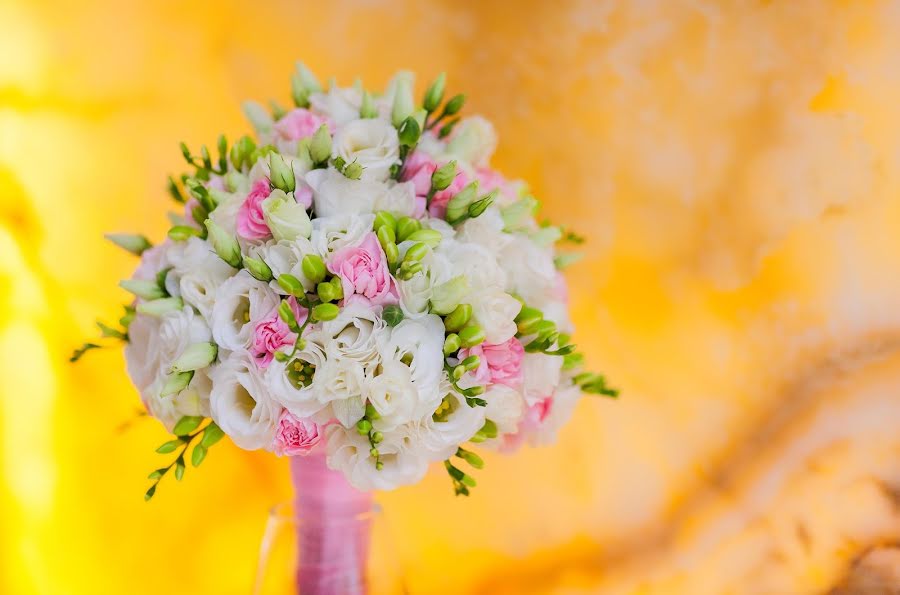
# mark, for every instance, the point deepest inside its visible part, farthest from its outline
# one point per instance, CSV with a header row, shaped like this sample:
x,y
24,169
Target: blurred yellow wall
x,y
735,165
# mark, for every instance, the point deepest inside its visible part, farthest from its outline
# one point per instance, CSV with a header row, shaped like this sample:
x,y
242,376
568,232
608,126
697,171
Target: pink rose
x,y
294,436
500,363
251,225
299,123
418,170
272,333
364,272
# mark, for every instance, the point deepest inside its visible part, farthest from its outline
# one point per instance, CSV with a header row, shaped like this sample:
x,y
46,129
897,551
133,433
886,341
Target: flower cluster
x,y
355,279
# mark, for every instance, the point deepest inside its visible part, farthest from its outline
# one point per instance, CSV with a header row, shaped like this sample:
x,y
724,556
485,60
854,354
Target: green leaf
x,y
179,468
108,331
76,355
212,434
169,446
158,473
150,493
187,424
198,454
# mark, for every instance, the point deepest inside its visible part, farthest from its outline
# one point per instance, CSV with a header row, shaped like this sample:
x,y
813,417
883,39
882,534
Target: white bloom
x,y
370,142
297,394
241,404
404,461
333,233
530,269
393,395
564,401
541,374
442,434
241,302
142,354
341,384
416,292
285,257
225,213
486,230
340,104
474,140
474,261
197,273
285,217
505,407
495,312
354,334
399,199
336,194
418,343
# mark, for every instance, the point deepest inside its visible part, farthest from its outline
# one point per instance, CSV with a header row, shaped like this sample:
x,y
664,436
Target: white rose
x,y
285,257
442,433
333,233
404,461
505,407
241,404
474,140
336,194
541,374
198,272
495,312
370,142
418,343
530,269
340,104
290,382
241,302
341,385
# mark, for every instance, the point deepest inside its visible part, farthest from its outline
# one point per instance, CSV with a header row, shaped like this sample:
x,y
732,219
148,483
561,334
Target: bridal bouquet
x,y
355,281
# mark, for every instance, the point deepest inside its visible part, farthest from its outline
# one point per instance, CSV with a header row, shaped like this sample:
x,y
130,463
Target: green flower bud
x,y
473,391
420,115
470,363
455,104
405,228
148,290
258,269
181,233
306,78
443,176
409,132
299,93
286,218
458,318
392,315
528,319
435,92
447,128
175,383
258,115
241,151
458,206
160,307
480,206
403,100
353,171
363,426
471,336
371,412
327,292
377,437
379,465
338,286
280,173
458,372
368,109
313,268
134,243
286,313
445,297
385,219
278,110
325,312
408,270
195,357
225,244
429,237
471,458
374,452
561,261
415,252
391,253
451,344
291,285
320,145
386,235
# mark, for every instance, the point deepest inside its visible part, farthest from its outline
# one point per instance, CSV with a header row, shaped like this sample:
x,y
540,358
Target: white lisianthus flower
x,y
225,213
495,312
241,302
336,194
399,199
290,382
505,407
340,383
241,404
177,332
486,230
530,269
393,395
442,433
285,257
404,461
476,262
418,343
355,334
197,273
286,218
474,141
415,293
340,104
541,375
372,143
330,234
142,355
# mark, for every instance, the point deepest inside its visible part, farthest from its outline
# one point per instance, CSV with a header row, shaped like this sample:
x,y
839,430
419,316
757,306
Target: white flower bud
x,y
446,296
403,98
196,356
286,218
260,119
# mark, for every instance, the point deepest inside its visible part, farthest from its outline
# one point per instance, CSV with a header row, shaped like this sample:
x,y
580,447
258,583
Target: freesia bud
x,y
458,372
367,109
287,220
327,292
148,290
458,206
291,285
258,269
471,362
175,383
443,176
386,235
415,252
363,426
134,243
161,306
446,296
195,357
377,437
451,344
224,243
408,270
313,267
528,319
384,218
473,391
181,233
406,226
371,412
455,104
471,458
458,318
392,315
280,173
435,92
258,115
286,313
320,145
429,237
471,336
403,101
480,206
241,151
325,312
391,253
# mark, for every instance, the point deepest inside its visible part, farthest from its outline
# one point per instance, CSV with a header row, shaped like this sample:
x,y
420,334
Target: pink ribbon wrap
x,y
333,529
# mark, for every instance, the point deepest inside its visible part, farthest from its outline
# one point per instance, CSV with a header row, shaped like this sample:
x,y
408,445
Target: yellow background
x,y
735,166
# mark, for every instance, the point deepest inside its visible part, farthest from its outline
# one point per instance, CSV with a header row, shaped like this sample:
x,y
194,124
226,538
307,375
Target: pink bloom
x,y
490,179
363,270
500,363
294,436
561,288
299,123
272,333
531,423
418,170
250,222
304,195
